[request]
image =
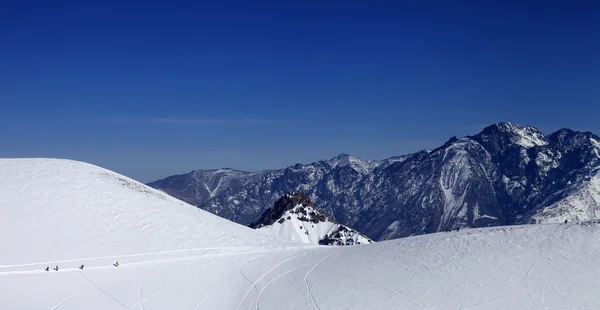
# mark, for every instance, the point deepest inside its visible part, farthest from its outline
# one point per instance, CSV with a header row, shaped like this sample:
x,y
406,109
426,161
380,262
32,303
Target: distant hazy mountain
x,y
506,174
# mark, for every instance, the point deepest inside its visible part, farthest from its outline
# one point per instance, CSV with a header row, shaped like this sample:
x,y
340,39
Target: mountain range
x,y
507,174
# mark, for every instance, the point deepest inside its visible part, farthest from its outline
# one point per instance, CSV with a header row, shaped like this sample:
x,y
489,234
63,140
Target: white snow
x,y
525,136
454,177
293,228
582,205
67,210
596,145
361,166
174,256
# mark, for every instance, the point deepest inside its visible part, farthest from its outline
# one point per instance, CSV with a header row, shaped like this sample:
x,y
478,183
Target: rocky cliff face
x,y
506,174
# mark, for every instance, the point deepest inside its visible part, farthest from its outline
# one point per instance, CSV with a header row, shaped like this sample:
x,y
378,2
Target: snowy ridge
x,y
525,136
68,214
346,160
293,217
199,186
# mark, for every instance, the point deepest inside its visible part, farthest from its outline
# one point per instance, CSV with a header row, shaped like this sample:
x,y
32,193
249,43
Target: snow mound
x,y
63,209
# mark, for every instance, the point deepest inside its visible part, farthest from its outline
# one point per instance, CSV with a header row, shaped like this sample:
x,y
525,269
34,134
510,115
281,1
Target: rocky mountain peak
x,y
347,160
499,137
294,217
288,202
568,139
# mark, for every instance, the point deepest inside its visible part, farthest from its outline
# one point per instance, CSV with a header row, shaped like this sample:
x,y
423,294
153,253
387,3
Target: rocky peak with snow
x,y
346,160
294,217
506,174
286,203
503,135
198,186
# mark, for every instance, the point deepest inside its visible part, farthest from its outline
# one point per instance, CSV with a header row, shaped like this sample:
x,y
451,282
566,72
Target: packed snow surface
x,y
174,256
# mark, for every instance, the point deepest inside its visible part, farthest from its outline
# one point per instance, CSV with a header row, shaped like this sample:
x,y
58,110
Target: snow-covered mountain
x,y
507,174
294,217
199,186
174,256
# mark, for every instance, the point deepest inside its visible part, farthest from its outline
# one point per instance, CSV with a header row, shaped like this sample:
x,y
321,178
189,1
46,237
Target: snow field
x,y
174,256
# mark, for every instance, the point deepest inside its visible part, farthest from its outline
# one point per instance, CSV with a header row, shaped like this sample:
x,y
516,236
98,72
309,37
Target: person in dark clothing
x,y
47,268
457,228
566,221
81,267
56,268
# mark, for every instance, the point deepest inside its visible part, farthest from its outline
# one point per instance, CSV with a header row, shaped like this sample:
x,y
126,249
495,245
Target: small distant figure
x,y
81,267
566,221
47,268
457,228
116,264
56,268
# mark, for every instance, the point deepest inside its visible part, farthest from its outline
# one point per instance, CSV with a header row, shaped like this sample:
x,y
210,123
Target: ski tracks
x,y
141,303
264,275
273,280
310,293
84,290
105,292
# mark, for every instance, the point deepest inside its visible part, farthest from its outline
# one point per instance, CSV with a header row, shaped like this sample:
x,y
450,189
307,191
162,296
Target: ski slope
x,y
174,256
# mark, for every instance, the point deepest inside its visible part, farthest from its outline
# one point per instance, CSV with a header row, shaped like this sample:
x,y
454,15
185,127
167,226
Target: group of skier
x,y
116,264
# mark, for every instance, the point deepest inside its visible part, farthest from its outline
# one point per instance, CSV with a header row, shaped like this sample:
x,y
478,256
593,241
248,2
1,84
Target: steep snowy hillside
x,y
294,217
173,256
507,174
56,210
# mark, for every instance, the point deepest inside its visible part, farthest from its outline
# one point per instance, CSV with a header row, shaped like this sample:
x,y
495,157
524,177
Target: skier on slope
x,y
81,267
56,268
116,264
47,268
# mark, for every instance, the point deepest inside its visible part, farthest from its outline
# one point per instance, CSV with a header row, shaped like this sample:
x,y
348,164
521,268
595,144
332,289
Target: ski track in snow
x,y
144,283
86,289
310,293
253,286
232,251
105,292
273,280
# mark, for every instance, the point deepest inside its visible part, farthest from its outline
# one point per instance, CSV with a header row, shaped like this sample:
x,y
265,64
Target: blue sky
x,y
151,90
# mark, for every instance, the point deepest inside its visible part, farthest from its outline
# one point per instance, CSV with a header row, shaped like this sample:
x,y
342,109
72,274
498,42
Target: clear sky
x,y
151,89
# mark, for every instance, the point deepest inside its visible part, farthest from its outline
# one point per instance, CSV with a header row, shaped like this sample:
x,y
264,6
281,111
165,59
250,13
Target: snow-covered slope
x,y
294,217
173,256
53,210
